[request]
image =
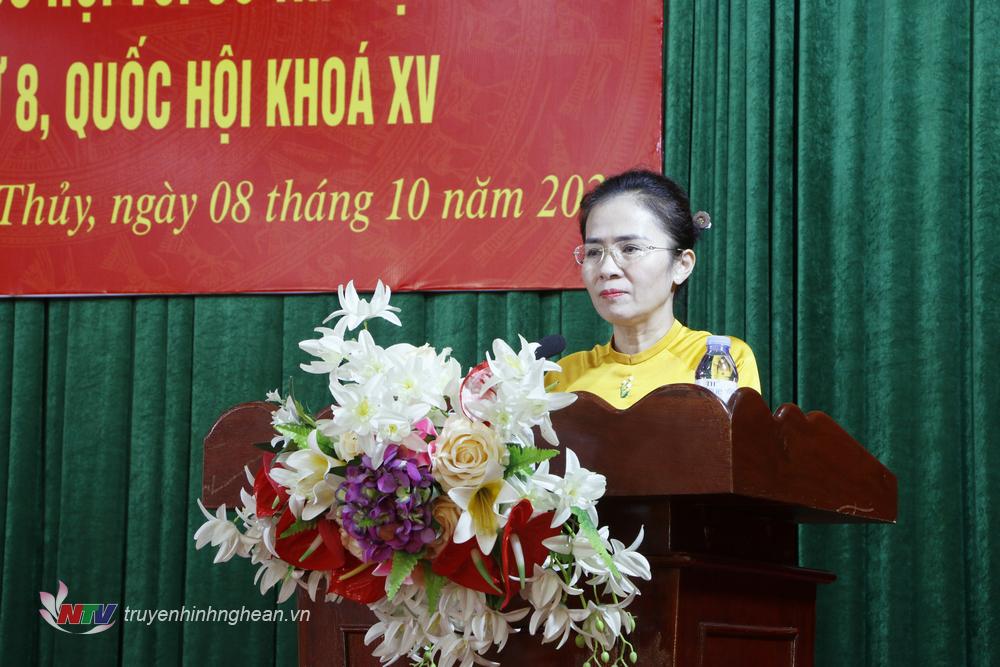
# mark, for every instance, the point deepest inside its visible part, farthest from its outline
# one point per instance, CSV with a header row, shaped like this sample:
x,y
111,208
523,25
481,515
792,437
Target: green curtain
x,y
846,151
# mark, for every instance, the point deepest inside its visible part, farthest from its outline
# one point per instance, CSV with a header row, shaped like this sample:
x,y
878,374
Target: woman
x,y
638,250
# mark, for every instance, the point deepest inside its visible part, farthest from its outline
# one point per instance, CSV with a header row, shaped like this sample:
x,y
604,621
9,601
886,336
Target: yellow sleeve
x,y
746,366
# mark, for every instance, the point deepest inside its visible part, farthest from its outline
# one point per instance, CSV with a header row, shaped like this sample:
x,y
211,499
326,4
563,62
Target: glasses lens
x,y
590,253
627,251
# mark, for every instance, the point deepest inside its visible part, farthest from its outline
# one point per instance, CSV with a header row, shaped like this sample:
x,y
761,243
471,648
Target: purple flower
x,y
387,509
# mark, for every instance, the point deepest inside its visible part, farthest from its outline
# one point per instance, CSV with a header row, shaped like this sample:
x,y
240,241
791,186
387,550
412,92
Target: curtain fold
x,y
847,152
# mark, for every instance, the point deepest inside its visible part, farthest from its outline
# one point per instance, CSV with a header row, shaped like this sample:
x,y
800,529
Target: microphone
x,y
550,346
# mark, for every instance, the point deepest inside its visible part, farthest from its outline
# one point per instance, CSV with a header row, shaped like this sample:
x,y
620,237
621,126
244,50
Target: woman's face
x,y
642,289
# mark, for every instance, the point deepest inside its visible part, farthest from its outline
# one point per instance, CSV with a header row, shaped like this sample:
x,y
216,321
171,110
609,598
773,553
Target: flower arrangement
x,y
426,497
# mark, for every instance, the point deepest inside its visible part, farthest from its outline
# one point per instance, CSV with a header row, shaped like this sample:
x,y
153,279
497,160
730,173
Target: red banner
x,y
219,146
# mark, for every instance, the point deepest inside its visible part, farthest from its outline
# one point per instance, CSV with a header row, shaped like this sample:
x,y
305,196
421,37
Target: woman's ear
x,y
683,266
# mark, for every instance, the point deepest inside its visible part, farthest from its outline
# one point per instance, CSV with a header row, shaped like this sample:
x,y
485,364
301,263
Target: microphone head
x,y
550,346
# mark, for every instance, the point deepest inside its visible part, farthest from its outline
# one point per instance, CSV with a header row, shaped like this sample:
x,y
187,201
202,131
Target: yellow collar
x,y
649,353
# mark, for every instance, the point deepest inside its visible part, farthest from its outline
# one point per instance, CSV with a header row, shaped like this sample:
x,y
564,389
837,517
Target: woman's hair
x,y
661,196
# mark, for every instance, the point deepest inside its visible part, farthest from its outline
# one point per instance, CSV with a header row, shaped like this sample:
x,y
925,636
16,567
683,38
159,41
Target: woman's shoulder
x,y
575,364
697,339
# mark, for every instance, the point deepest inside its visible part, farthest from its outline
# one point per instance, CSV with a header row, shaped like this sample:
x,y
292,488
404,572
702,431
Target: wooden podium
x,y
720,490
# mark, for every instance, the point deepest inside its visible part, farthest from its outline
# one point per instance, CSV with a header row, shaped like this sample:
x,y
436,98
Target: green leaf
x,y
299,433
325,444
432,584
525,457
303,413
266,446
296,527
402,564
477,560
590,532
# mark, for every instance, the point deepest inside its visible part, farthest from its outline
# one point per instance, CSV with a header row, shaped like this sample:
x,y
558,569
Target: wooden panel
x,y
356,654
726,644
801,466
229,446
740,613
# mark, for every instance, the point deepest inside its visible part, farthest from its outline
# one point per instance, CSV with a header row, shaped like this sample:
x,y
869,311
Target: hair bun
x,y
702,220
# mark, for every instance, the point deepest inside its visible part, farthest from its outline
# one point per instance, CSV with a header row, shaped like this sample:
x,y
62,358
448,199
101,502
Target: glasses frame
x,y
616,256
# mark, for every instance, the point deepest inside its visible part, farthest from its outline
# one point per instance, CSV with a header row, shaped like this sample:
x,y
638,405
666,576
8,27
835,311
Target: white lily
x,y
510,366
304,473
286,414
261,532
401,635
357,410
541,499
604,622
367,361
220,532
331,348
356,310
560,620
312,583
546,587
495,626
630,563
481,515
577,488
273,571
461,605
459,650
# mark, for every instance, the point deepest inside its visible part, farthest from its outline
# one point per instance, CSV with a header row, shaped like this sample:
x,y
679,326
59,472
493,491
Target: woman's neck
x,y
636,338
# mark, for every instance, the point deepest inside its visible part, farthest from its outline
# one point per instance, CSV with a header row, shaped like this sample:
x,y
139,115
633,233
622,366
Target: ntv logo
x,y
57,613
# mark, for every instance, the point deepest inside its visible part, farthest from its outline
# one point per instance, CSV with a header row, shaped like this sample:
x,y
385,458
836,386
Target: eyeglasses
x,y
623,252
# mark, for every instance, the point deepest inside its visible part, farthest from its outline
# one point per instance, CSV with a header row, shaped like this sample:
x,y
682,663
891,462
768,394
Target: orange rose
x,y
445,513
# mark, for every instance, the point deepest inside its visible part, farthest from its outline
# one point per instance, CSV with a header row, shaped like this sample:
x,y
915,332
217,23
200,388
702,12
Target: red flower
x,y
329,555
458,562
266,491
354,580
529,533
